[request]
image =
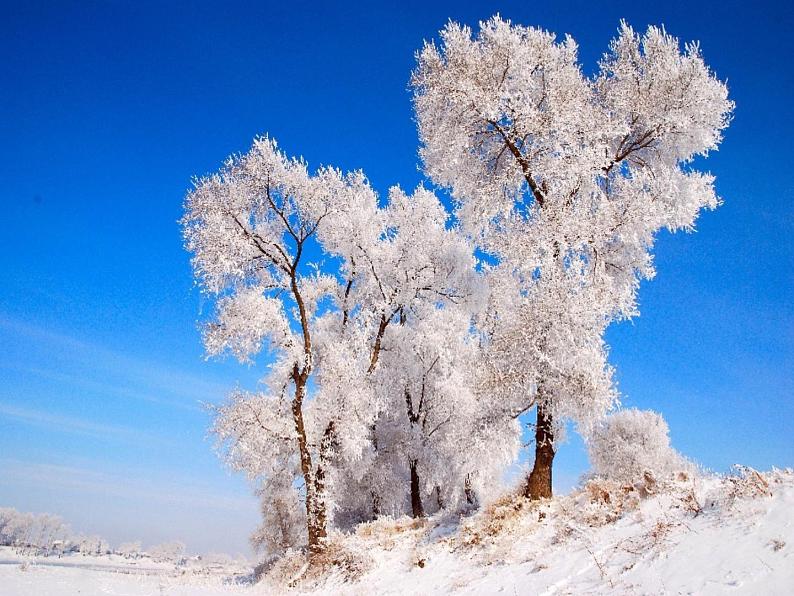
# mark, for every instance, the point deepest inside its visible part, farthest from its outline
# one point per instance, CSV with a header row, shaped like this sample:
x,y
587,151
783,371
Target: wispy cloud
x,y
103,387
146,421
131,377
147,490
80,426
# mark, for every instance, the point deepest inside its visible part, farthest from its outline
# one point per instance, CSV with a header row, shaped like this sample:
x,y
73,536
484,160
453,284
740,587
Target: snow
x,y
710,535
109,574
661,548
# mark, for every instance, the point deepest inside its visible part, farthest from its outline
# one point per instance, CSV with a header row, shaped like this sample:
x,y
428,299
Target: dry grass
x,y
493,533
300,570
747,483
387,526
502,516
604,502
386,531
777,545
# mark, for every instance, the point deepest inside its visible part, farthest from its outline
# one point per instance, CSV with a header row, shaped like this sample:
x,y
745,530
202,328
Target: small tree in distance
x,y
171,552
130,550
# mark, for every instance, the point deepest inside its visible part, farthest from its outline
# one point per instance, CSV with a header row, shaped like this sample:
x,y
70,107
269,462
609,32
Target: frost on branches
x,y
344,340
565,180
30,533
400,364
630,443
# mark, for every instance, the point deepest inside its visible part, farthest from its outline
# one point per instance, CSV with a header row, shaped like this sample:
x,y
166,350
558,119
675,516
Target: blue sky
x,y
106,111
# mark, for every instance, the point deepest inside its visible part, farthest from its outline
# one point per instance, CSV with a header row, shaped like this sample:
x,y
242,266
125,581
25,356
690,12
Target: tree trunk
x,y
416,498
539,483
327,448
376,500
471,497
315,507
439,500
316,515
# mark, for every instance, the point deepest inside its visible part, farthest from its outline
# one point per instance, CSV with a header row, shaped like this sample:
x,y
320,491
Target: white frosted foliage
x,y
629,443
405,339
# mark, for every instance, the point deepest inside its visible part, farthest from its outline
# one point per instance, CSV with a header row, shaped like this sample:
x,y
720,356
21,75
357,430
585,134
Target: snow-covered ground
x,y
714,535
112,574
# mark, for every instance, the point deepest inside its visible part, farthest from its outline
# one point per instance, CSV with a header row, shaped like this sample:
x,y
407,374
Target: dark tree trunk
x,y
439,500
376,500
539,482
471,496
416,498
314,480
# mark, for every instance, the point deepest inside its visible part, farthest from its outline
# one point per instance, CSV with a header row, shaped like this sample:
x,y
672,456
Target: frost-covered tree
x,y
251,229
92,545
629,443
7,517
47,531
395,287
428,433
564,181
41,532
172,552
409,315
129,550
16,528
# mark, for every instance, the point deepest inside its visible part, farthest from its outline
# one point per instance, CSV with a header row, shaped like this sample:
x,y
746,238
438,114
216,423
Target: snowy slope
x,y
710,536
713,535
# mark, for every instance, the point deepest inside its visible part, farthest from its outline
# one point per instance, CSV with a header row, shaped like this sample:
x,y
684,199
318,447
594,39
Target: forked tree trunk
x,y
539,482
416,498
314,480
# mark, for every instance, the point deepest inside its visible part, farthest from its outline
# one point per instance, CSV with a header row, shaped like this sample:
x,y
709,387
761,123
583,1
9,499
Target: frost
x,y
407,340
630,443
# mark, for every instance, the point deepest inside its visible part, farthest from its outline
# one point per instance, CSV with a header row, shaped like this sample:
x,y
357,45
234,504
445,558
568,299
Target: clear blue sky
x,y
108,108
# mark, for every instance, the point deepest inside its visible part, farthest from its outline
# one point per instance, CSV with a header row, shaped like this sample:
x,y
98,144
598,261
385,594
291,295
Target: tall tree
x,y
399,285
251,229
564,181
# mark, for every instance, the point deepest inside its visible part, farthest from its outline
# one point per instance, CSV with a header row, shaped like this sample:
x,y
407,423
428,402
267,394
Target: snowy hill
x,y
706,536
709,535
